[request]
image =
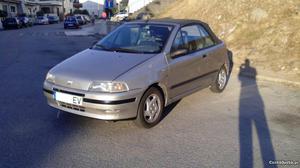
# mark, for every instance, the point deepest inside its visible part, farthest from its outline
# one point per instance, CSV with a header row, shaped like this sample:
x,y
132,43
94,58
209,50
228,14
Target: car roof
x,y
181,22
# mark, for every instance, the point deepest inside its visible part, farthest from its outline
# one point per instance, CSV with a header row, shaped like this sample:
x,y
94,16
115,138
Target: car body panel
x,y
96,110
176,77
78,67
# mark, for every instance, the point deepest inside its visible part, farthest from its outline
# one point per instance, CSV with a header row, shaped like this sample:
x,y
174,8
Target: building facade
x,y
11,7
31,7
93,7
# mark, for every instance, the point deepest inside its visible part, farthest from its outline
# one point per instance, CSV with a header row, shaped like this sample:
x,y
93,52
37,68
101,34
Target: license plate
x,y
70,24
67,98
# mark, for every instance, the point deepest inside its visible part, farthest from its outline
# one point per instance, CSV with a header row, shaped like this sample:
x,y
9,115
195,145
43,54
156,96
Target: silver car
x,y
139,69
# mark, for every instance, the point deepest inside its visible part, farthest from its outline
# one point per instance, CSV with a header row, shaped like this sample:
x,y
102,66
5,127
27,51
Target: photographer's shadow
x,y
252,112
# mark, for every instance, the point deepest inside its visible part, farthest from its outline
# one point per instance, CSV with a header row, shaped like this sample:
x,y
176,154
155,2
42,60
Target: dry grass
x,y
266,32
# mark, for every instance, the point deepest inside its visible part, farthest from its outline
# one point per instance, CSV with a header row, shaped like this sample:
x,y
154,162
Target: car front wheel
x,y
220,82
150,108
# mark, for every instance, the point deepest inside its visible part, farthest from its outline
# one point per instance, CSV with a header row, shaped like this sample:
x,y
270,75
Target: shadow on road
x,y
169,108
252,112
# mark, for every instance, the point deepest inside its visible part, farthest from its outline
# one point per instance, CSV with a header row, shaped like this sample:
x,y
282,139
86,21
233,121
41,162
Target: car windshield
x,y
40,17
136,38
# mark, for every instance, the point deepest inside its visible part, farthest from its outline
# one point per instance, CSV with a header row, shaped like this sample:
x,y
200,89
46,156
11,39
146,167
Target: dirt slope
x,y
265,31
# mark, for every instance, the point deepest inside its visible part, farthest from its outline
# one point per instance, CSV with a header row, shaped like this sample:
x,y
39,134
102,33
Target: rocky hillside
x,y
265,31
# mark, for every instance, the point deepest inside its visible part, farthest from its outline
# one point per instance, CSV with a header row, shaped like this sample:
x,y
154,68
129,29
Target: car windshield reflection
x,y
136,38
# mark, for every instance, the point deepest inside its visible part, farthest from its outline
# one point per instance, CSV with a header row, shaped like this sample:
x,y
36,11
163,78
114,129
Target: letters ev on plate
x,y
139,69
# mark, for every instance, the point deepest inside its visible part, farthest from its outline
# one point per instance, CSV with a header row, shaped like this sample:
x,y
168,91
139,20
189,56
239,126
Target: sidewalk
x,y
101,27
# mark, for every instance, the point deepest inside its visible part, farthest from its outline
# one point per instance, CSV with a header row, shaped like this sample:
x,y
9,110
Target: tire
x,y
220,82
152,116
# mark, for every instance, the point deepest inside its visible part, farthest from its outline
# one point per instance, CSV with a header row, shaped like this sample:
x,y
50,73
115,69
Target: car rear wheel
x,y
150,108
220,82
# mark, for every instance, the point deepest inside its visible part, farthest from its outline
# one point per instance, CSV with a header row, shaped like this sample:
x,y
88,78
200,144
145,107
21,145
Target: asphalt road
x,y
247,125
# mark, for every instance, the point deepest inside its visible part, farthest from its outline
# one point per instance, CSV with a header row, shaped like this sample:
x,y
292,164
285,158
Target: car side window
x,y
206,37
192,38
178,42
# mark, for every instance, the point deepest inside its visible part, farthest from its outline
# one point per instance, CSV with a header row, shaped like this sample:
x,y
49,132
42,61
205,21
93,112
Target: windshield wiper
x,y
102,47
125,50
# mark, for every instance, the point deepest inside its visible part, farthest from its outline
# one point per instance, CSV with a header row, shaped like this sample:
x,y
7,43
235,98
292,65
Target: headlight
x,y
111,87
50,78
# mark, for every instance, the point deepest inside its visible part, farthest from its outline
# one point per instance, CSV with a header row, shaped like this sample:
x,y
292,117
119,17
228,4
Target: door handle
x,y
204,56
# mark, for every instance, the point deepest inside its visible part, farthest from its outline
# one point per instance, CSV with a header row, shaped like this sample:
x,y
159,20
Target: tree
x,y
85,12
82,12
3,13
40,13
77,11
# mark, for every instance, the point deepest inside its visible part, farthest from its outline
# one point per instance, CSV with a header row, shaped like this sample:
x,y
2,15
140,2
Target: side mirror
x,y
178,53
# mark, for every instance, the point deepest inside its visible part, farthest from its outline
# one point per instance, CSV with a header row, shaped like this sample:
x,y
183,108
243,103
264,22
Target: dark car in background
x,y
71,22
11,23
25,21
53,19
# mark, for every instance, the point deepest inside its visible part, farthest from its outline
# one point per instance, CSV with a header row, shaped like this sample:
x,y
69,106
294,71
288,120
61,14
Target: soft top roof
x,y
181,22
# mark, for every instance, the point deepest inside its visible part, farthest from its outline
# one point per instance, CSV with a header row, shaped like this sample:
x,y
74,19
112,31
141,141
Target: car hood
x,y
95,65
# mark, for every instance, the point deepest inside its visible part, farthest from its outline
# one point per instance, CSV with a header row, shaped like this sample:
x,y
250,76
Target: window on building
x,y
12,9
5,8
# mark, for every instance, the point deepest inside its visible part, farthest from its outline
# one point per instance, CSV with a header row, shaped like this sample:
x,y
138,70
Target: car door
x,y
213,53
187,72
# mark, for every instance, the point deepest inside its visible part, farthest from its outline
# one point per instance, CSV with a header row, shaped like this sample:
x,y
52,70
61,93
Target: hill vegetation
x,y
266,32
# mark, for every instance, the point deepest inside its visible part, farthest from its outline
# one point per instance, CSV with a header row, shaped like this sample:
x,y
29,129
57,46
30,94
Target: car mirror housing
x,y
178,53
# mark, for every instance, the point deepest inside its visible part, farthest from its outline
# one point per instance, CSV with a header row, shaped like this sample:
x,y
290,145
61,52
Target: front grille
x,y
71,106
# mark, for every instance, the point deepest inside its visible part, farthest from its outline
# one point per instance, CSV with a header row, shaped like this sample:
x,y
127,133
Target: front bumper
x,y
105,106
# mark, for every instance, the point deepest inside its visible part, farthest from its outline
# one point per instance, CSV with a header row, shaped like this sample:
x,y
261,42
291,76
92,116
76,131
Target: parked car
x,y
53,19
138,69
123,15
26,21
42,20
71,22
11,22
87,18
80,19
